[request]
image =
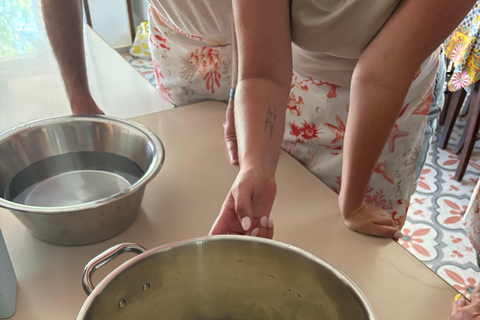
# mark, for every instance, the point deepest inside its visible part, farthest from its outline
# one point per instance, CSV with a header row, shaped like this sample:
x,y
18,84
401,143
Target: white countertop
x,y
183,201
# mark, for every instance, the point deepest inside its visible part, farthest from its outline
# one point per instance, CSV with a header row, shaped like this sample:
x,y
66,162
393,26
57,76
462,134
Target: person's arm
x,y
264,77
63,22
379,85
229,133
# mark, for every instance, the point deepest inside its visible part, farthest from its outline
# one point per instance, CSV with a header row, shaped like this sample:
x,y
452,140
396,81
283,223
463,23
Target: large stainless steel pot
x,y
222,277
76,180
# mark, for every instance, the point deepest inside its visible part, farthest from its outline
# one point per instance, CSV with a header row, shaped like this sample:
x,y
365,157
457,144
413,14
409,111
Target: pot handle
x,y
104,258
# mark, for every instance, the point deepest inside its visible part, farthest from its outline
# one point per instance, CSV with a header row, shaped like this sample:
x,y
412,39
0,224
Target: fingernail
x,y
255,232
398,235
458,296
246,223
270,223
264,222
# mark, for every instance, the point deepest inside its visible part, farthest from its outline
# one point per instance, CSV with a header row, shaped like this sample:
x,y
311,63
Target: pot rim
x,y
153,169
274,243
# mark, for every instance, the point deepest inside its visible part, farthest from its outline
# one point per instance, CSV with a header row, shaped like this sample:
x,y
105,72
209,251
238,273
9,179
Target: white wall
x,y
110,21
140,8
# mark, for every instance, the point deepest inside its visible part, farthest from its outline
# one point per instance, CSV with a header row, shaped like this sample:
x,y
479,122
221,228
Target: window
x,y
18,27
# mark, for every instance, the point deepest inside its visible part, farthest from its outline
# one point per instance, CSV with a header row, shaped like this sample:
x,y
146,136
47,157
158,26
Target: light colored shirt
x,y
329,36
201,19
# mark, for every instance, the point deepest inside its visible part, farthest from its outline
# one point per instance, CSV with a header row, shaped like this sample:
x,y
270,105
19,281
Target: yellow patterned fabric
x,y
139,47
462,48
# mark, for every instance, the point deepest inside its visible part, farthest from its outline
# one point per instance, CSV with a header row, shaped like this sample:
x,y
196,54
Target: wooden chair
x,y
451,109
448,94
470,134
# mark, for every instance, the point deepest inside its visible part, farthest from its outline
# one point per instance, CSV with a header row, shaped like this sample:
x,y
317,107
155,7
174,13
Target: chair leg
x,y
452,114
446,104
472,97
448,94
472,128
458,148
464,112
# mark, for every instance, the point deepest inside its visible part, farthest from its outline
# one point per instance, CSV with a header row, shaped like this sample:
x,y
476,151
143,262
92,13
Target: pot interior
x,y
226,278
67,161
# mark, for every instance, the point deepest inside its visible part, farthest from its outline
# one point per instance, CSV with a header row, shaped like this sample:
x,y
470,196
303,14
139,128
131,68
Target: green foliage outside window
x,y
18,29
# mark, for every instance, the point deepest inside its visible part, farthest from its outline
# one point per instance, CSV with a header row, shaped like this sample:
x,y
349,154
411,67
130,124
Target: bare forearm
x,y
63,21
373,111
381,80
234,58
260,122
264,78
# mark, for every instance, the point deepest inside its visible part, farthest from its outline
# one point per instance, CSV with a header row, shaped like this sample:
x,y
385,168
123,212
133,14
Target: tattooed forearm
x,y
270,118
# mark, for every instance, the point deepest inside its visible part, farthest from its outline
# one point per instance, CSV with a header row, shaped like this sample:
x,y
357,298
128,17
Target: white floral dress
x,y
315,127
189,68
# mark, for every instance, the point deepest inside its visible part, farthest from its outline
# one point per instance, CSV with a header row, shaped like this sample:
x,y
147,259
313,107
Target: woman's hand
x,y
247,208
82,103
368,219
461,310
229,133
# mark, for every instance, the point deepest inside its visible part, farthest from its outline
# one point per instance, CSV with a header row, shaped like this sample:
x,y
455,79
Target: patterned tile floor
x,y
434,230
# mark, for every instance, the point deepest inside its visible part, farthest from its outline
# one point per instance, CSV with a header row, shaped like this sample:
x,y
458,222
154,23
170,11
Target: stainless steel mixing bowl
x,y
75,180
220,278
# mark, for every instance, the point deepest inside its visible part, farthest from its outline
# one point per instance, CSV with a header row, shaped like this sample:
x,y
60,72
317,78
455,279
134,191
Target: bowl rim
x,y
222,238
155,165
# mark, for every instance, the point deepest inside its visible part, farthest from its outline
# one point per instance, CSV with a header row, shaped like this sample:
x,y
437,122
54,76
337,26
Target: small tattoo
x,y
270,119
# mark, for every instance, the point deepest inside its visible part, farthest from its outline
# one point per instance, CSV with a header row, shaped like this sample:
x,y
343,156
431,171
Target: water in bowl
x,y
73,178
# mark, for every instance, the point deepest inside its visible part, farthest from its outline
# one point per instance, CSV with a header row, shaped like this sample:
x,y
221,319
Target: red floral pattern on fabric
x,y
394,135
382,169
424,105
291,148
403,110
294,104
338,131
457,52
378,199
298,84
459,80
398,219
162,42
207,62
333,87
338,182
165,91
305,131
